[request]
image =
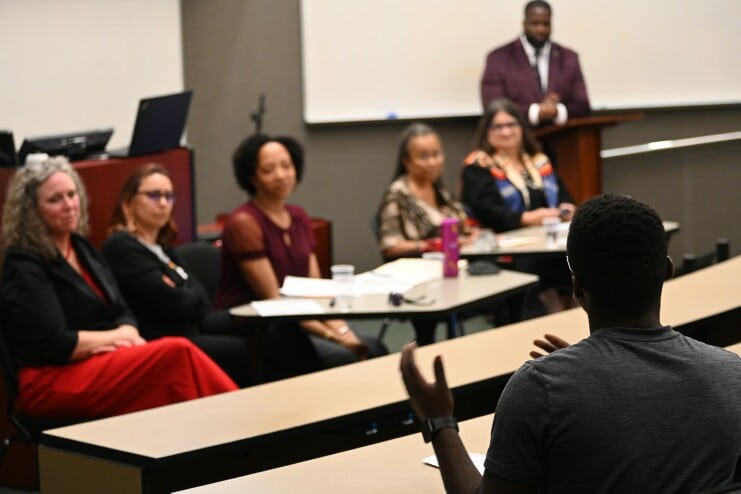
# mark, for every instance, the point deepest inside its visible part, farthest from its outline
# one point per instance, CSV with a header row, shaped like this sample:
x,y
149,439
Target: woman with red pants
x,y
74,340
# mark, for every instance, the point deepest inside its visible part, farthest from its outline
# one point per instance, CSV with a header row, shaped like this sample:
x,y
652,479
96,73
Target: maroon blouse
x,y
249,234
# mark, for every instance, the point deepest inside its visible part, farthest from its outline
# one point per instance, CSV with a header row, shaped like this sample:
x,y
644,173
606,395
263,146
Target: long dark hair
x,y
416,129
481,141
168,233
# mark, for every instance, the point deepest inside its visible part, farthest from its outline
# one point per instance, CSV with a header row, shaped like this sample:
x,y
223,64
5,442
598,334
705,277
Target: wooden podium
x,y
576,146
103,179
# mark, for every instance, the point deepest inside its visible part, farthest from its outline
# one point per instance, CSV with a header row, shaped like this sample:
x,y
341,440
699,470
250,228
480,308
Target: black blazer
x,y
45,302
160,308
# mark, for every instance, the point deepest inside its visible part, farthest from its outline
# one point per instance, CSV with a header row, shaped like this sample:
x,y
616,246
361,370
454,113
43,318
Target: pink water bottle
x,y
449,236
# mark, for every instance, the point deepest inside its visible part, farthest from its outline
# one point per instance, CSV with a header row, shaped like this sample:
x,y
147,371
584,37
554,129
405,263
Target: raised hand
x,y
549,345
428,399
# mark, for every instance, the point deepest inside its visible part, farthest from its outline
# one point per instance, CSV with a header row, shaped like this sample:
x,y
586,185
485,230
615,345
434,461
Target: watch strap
x,y
433,425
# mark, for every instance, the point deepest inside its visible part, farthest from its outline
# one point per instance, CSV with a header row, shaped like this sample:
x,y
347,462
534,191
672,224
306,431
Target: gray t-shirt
x,y
624,410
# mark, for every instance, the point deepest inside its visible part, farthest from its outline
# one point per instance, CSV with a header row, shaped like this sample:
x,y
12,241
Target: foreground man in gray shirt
x,y
635,407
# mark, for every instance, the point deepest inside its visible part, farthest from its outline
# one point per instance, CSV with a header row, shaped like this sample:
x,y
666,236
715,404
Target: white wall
x,y
424,58
71,65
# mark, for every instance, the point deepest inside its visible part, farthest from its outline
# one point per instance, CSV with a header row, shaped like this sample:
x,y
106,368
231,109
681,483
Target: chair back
x,y
692,262
202,260
10,384
18,442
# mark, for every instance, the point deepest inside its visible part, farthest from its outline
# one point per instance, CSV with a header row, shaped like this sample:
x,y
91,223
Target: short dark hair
x,y
416,129
244,159
481,139
617,251
537,4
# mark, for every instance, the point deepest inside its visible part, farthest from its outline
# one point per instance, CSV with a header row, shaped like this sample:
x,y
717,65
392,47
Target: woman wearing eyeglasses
x,y
164,297
507,182
75,343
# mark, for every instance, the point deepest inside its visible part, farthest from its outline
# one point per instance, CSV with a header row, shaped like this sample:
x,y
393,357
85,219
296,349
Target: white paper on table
x,y
505,242
414,271
476,458
396,276
365,283
372,282
298,286
287,307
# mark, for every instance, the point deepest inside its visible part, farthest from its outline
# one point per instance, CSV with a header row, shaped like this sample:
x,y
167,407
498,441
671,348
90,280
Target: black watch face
x,y
431,426
427,430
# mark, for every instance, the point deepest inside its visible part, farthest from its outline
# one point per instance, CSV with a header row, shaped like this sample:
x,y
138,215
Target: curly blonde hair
x,y
22,225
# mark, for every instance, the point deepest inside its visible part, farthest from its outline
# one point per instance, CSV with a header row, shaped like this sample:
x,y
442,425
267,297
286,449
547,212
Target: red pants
x,y
164,371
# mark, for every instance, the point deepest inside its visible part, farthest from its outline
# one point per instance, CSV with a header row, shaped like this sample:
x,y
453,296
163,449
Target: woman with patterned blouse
x,y
416,202
415,205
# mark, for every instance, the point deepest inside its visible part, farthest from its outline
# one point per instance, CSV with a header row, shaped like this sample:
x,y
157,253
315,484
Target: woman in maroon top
x,y
264,240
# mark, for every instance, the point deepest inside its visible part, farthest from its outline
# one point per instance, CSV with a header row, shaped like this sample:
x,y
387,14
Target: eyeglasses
x,y
158,195
502,126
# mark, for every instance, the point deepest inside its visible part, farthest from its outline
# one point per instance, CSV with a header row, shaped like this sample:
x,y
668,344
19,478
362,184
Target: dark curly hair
x,y
618,252
244,159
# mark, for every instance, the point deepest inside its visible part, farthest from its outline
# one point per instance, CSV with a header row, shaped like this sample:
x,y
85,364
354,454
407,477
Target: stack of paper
x,y
286,307
397,276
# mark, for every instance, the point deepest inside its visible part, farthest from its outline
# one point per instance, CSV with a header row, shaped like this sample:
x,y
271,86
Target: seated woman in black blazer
x,y
166,300
74,340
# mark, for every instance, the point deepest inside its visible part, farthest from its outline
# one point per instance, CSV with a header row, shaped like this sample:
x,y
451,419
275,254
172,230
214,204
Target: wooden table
x,y
390,467
267,426
394,466
445,296
530,241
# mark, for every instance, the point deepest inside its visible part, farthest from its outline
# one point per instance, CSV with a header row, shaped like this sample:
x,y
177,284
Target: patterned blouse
x,y
401,216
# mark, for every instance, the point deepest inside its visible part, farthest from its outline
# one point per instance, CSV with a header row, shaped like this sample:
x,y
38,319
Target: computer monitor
x,y
75,146
160,122
7,150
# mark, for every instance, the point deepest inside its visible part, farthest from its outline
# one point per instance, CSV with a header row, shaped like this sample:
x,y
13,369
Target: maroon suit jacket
x,y
508,74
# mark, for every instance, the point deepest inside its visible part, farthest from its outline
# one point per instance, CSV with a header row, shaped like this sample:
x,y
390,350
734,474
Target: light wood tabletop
x,y
439,296
388,467
528,241
232,423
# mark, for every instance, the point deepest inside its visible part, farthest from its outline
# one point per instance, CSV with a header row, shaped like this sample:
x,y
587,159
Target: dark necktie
x,y
537,72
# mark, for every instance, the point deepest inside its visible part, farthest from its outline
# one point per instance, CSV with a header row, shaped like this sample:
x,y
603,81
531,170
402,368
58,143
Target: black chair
x,y
692,262
28,427
203,260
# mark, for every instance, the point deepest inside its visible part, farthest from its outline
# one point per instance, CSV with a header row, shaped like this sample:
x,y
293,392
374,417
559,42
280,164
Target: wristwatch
x,y
431,426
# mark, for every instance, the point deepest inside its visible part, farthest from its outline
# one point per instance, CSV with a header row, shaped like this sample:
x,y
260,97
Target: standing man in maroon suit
x,y
542,78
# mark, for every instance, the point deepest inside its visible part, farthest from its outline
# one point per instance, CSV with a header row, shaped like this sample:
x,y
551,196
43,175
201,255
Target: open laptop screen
x,y
160,123
7,149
